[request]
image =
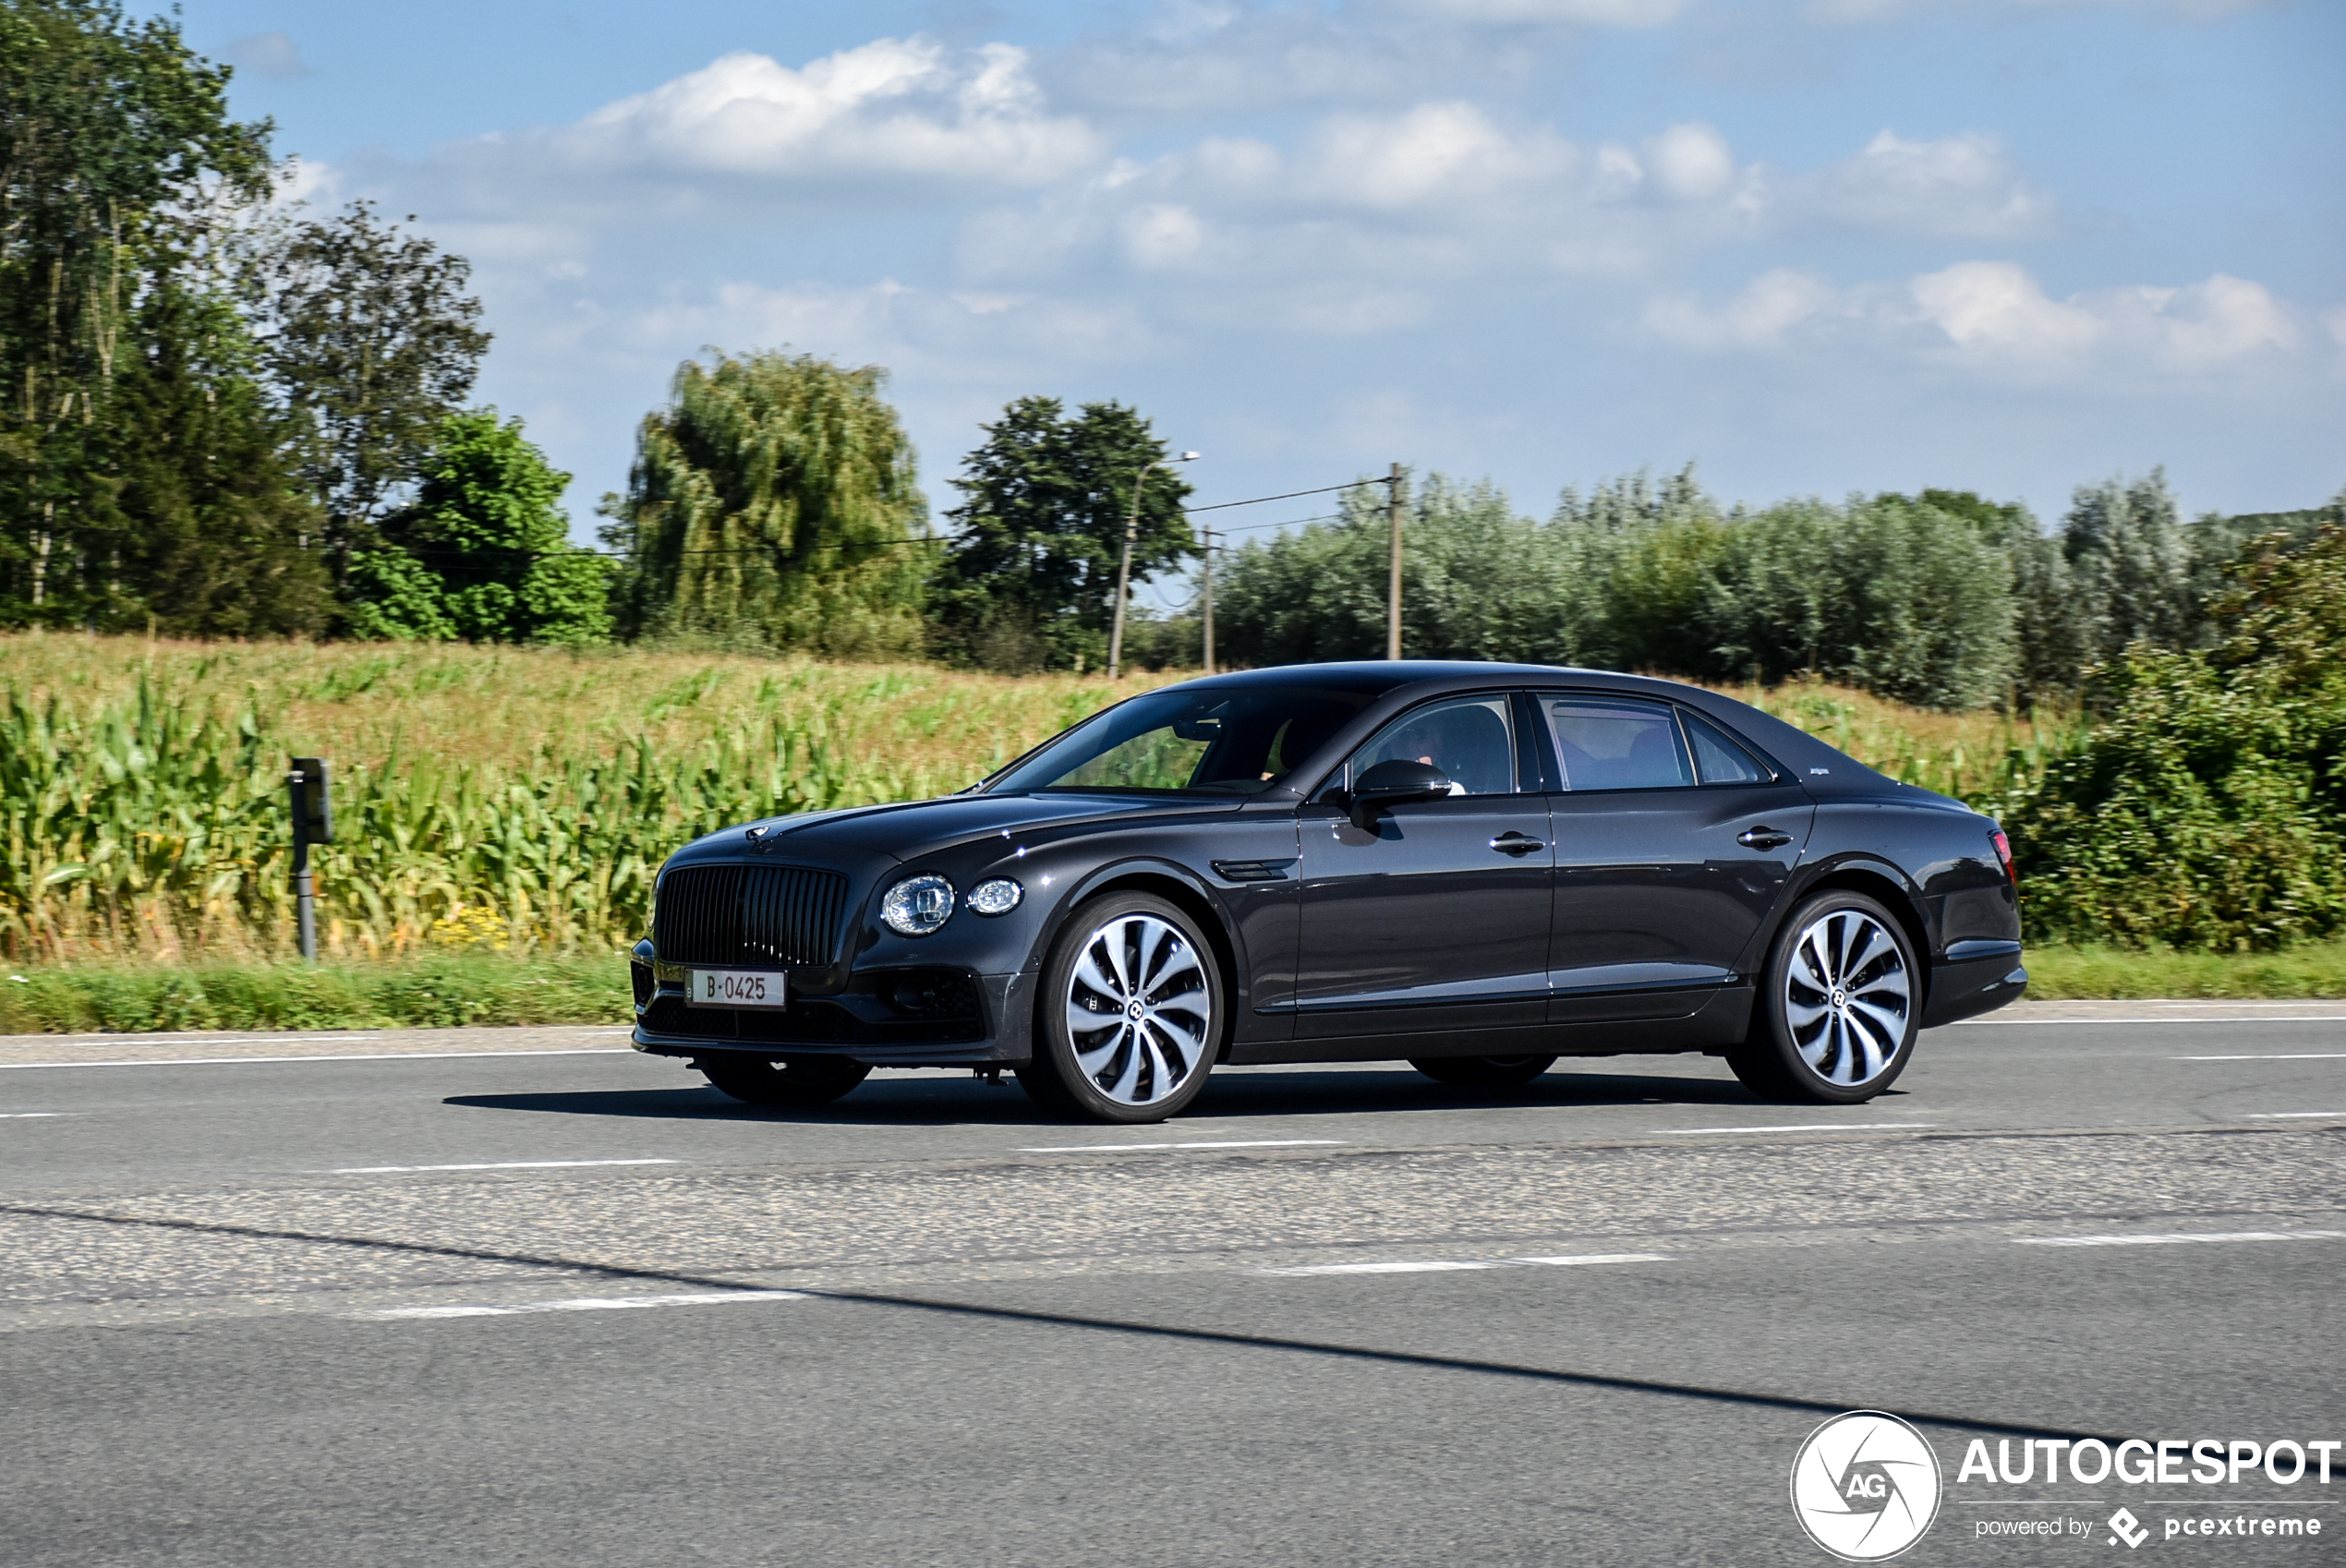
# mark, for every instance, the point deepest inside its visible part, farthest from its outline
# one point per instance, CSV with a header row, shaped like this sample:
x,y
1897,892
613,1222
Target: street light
x,y
1124,570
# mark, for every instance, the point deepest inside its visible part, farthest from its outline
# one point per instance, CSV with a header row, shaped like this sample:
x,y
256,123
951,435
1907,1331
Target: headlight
x,y
996,896
918,905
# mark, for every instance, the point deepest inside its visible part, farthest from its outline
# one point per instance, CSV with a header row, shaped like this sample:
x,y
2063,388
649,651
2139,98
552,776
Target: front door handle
x,y
1515,844
1762,838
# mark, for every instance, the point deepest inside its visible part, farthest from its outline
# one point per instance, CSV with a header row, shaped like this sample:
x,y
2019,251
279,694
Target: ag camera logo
x,y
1865,1486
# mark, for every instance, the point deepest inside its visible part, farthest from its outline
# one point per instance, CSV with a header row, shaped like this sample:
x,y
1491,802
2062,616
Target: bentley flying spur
x,y
1474,868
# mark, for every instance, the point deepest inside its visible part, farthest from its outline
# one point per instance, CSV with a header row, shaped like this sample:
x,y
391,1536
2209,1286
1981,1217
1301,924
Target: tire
x,y
1840,1005
1130,1014
1482,1072
787,1081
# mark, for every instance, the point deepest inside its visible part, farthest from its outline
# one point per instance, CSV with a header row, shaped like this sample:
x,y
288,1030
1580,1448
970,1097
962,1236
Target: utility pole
x,y
1393,580
1208,558
1124,570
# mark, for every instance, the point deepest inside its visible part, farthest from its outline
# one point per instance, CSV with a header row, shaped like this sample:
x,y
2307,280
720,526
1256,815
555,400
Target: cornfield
x,y
521,801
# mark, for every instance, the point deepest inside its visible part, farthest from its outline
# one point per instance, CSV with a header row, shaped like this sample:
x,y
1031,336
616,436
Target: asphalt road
x,y
567,1306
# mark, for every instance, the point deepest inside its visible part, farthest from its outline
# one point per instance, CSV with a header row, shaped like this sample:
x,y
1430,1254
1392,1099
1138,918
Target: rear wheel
x,y
1482,1072
1130,1013
787,1081
1839,1006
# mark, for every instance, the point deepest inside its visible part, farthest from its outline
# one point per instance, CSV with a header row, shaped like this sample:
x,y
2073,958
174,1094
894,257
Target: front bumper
x,y
926,1016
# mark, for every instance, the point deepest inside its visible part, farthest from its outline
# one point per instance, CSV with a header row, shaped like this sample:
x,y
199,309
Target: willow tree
x,y
773,504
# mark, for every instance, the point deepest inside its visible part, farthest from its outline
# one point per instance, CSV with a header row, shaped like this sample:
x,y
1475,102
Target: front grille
x,y
756,916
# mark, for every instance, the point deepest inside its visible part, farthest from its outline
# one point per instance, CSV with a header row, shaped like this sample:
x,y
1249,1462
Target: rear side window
x,y
1717,758
1616,742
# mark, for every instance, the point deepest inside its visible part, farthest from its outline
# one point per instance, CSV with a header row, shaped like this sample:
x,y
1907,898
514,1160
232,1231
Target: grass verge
x,y
2063,973
448,990
437,992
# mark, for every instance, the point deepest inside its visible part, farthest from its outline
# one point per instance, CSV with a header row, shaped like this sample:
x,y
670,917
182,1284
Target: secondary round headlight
x,y
918,905
996,896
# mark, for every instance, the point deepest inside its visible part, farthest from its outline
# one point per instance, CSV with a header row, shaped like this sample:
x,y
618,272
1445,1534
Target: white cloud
x,y
867,120
1994,317
1770,305
1433,154
1692,162
268,55
1596,13
1863,11
1966,187
896,107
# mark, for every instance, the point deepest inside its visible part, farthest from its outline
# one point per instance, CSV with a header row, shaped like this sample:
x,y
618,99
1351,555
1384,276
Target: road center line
x,y
2178,1238
1234,1143
32,1115
1434,1266
585,1304
494,1165
2299,1056
2296,1116
1801,1127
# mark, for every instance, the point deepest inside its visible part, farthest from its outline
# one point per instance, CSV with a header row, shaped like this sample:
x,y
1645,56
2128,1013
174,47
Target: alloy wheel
x,y
1139,1010
1847,996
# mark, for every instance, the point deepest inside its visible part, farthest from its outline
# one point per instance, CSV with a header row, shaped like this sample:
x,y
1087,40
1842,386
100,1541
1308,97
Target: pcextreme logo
x,y
1865,1486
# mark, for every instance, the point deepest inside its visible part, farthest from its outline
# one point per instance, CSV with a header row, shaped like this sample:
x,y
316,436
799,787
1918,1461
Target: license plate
x,y
736,988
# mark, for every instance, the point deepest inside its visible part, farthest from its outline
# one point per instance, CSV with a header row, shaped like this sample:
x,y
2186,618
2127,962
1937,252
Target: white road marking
x,y
1431,1266
2298,1057
375,1057
2295,1116
1235,1143
587,1304
32,1115
495,1165
2179,1237
1801,1127
2170,1017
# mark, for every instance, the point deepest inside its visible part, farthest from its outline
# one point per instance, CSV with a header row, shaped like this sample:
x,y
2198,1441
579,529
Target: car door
x,y
1674,840
1436,918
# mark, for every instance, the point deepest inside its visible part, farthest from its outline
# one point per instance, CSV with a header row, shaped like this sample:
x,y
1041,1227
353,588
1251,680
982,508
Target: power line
x,y
1323,490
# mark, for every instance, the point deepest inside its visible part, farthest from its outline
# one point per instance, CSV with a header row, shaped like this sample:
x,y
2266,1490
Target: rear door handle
x,y
1762,838
1515,844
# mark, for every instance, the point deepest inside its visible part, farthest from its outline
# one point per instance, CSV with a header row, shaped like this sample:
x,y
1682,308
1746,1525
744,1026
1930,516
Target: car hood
x,y
911,828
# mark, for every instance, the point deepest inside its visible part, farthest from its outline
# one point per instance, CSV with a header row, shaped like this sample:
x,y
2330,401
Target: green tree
x,y
483,553
2208,807
372,341
118,160
1029,579
1889,595
774,504
2130,561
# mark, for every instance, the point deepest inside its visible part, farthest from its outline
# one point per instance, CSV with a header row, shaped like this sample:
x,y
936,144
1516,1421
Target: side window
x,y
1616,742
1717,758
1471,740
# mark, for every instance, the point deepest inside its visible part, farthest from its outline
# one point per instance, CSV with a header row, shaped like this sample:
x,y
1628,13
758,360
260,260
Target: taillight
x,y
2004,853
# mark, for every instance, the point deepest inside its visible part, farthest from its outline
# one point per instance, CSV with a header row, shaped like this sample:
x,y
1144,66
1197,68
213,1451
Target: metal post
x,y
1393,580
1208,558
1124,576
313,822
305,886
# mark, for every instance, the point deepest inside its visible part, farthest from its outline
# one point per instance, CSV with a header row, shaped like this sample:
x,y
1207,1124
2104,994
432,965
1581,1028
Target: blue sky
x,y
1813,246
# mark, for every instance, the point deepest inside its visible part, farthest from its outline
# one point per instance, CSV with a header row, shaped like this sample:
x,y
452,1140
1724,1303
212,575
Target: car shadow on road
x,y
1257,1092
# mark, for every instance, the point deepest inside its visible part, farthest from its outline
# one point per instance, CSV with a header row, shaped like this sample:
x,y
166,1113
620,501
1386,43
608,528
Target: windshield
x,y
1223,743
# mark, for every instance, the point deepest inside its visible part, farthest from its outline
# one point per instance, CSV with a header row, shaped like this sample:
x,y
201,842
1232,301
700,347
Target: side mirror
x,y
1390,784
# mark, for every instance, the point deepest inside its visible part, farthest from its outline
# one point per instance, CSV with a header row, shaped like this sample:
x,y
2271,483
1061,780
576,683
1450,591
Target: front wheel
x,y
789,1081
1839,1006
1130,1014
1482,1072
